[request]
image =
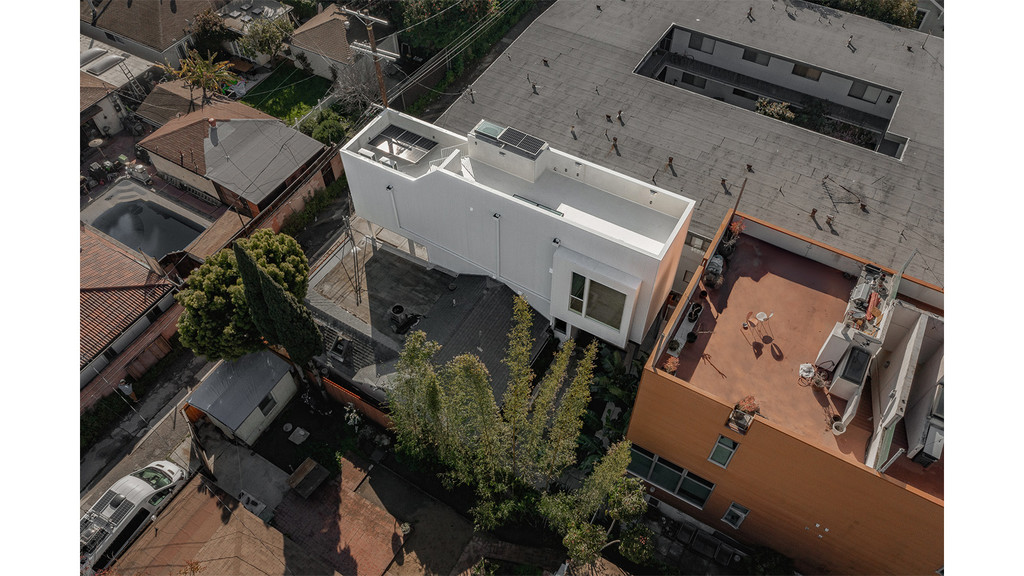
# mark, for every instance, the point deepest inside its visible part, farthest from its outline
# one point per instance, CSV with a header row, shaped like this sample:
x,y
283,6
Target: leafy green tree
x,y
265,36
302,9
560,440
279,317
436,23
201,73
217,322
209,32
584,542
637,543
414,397
898,12
516,402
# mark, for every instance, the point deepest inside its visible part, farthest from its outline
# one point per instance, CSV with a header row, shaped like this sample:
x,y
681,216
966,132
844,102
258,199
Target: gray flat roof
x,y
137,66
253,157
591,57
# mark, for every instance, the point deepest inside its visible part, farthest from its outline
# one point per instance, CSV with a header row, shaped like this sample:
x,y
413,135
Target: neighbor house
x,y
590,249
795,401
237,15
155,30
210,528
130,75
242,397
227,152
101,109
127,314
324,42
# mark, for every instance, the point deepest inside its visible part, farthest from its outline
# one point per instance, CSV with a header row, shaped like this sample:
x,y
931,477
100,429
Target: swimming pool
x,y
142,220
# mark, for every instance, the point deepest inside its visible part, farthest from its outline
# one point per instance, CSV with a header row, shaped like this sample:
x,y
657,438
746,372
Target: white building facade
x,y
590,249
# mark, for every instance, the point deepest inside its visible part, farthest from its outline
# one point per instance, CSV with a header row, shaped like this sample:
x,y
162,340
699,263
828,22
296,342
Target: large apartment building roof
x,y
582,61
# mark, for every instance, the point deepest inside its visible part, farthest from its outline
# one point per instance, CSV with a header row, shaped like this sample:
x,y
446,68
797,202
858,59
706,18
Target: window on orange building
x,y
722,453
735,515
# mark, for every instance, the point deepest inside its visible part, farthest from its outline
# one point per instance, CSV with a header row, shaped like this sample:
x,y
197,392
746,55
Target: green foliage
x,y
205,74
302,9
288,93
898,12
450,413
637,543
777,110
433,29
217,322
326,126
584,542
559,448
626,499
314,205
265,36
277,315
209,32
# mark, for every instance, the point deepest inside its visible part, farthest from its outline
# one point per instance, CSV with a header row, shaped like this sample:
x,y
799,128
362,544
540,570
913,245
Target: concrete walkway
x,y
151,431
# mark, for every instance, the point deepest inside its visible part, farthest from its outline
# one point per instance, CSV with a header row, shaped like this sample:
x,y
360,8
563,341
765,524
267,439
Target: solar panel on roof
x,y
522,141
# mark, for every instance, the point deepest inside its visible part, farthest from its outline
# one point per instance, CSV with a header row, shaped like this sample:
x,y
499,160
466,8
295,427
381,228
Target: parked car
x,y
124,511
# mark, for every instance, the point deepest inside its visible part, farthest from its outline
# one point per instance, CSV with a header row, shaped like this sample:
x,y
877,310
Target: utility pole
x,y
369,21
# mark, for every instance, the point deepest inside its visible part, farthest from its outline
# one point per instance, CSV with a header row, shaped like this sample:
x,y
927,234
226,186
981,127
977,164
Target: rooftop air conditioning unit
x,y
367,154
389,162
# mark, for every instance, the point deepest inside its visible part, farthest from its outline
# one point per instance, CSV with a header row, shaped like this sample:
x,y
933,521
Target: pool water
x,y
147,227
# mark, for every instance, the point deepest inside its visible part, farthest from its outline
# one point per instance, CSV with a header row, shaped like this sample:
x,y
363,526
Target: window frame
x,y
806,71
685,476
584,301
272,404
863,88
730,449
739,510
691,238
755,56
697,81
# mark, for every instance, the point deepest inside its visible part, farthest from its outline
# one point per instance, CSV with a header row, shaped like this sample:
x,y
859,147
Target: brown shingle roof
x,y
167,101
205,525
92,90
325,34
116,288
157,24
180,140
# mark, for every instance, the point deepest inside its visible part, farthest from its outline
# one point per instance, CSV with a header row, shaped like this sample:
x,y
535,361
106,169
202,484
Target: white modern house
x,y
589,248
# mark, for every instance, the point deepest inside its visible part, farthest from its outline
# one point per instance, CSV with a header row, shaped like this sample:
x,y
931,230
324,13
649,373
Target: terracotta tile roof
x,y
92,90
181,139
157,24
116,288
167,100
205,525
325,34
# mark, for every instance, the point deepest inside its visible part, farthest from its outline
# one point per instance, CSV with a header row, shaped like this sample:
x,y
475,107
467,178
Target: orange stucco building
x,y
834,472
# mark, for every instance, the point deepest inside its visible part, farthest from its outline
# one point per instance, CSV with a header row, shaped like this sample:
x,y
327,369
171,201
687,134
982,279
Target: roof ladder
x,y
133,84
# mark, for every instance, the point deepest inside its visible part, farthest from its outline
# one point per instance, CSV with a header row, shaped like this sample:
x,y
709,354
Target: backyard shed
x,y
243,397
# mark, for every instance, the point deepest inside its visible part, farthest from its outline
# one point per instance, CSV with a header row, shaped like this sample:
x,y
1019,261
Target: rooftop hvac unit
x,y
367,154
860,295
389,162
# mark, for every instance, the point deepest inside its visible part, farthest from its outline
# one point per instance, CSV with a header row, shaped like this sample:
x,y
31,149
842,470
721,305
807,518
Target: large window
x,y
596,301
722,453
755,56
865,92
735,515
670,477
702,43
806,72
268,404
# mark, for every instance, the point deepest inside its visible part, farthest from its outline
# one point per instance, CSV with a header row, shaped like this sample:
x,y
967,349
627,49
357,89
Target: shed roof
x,y
232,390
591,57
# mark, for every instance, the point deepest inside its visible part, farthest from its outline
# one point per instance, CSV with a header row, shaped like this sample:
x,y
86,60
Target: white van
x,y
124,511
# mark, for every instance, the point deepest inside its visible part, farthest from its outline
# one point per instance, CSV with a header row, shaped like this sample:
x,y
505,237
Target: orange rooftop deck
x,y
804,300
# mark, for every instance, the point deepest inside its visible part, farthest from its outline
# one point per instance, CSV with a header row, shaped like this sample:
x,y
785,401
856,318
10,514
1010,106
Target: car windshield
x,y
156,478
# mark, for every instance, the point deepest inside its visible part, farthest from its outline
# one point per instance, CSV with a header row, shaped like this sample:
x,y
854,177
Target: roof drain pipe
x,y
497,244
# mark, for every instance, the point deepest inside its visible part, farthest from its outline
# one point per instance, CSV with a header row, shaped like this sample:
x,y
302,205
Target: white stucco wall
x,y
456,220
251,428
